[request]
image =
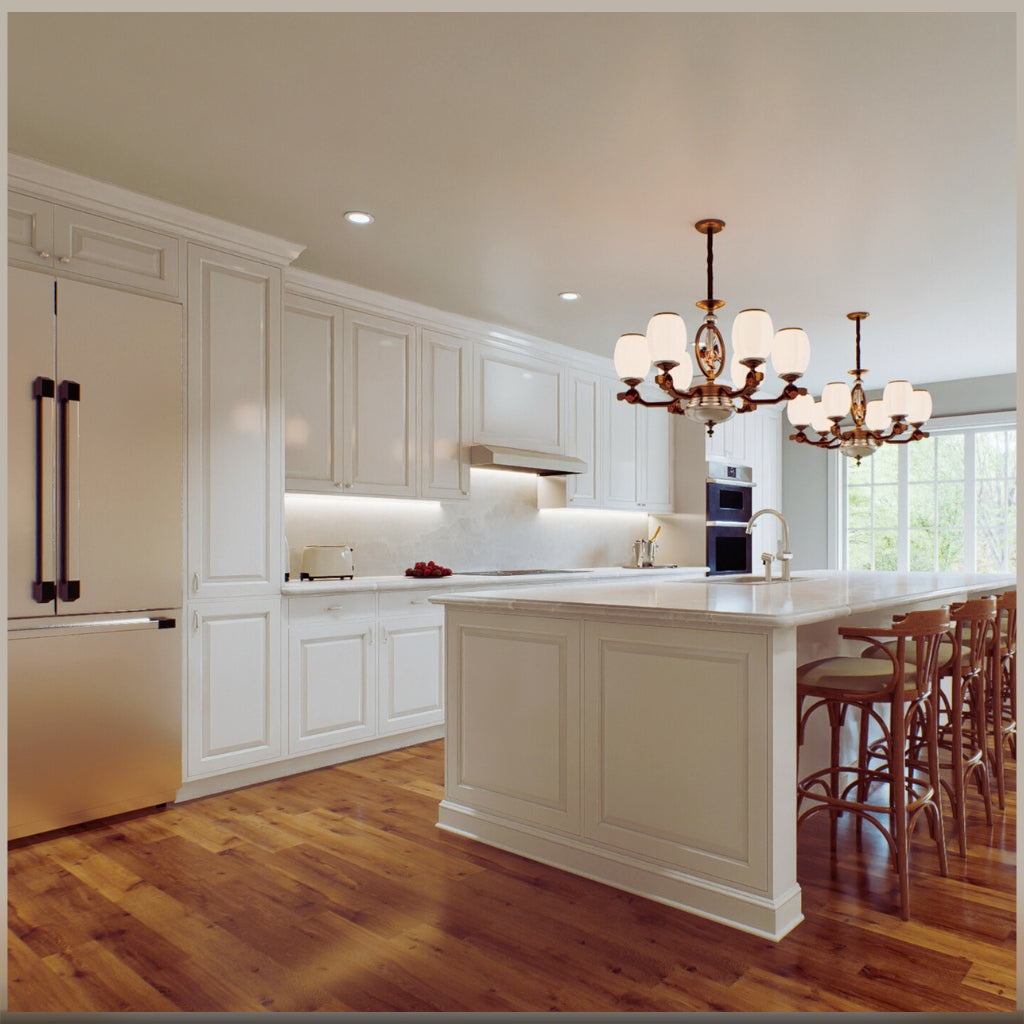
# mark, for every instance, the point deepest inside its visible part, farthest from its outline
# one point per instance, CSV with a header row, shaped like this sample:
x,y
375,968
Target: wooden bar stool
x,y
907,689
969,671
1002,709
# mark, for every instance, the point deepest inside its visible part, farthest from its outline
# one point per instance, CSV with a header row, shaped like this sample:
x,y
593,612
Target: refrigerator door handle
x,y
69,586
44,587
74,627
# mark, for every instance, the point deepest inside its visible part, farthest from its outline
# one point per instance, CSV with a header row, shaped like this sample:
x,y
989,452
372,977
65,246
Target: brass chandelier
x,y
899,406
708,402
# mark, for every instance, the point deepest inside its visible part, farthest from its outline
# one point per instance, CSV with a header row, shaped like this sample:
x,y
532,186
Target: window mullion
x,y
902,511
970,510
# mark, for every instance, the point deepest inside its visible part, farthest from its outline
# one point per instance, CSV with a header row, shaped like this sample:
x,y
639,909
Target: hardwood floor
x,y
334,890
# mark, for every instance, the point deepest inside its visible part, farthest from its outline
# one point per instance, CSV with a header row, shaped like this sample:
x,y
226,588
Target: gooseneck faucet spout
x,y
784,555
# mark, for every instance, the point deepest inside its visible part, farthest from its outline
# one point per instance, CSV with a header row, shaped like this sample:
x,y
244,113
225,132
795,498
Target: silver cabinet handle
x,y
335,608
69,586
195,582
43,255
63,259
195,621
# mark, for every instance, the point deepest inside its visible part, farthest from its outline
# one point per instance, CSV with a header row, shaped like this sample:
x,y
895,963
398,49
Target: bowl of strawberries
x,y
428,570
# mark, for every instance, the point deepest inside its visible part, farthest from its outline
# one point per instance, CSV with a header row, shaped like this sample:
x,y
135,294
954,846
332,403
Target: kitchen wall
x,y
500,527
808,482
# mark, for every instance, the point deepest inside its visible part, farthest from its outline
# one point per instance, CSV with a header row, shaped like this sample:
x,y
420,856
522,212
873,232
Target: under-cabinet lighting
x,y
357,502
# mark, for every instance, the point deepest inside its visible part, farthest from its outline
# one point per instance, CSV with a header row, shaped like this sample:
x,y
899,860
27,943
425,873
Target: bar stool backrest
x,y
1007,604
976,626
926,628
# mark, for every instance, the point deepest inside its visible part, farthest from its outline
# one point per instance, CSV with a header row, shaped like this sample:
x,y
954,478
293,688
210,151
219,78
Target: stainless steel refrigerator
x,y
95,541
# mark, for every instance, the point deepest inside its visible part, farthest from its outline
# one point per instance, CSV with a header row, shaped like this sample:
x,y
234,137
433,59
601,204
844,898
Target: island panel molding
x,y
677,705
517,752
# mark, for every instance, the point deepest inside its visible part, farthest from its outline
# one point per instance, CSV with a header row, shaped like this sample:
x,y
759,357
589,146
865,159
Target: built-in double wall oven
x,y
729,508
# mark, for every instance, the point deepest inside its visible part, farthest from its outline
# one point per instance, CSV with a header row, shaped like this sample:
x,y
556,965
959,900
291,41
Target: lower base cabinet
x,y
234,685
363,665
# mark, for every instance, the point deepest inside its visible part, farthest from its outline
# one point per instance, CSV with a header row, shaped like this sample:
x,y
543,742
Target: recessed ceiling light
x,y
569,296
358,217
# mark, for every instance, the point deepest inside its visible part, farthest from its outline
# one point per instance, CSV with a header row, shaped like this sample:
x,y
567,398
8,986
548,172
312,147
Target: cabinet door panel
x,y
620,432
235,472
412,675
331,682
234,686
658,463
581,488
29,230
519,401
111,251
311,343
380,409
444,471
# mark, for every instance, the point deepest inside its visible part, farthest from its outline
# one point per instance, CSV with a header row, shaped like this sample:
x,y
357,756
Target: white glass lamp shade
x,y
631,358
800,411
835,400
920,408
875,418
897,398
666,338
819,419
791,352
752,335
682,374
738,372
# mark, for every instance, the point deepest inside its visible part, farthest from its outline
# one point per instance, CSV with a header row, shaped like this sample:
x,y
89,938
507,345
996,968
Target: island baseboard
x,y
768,918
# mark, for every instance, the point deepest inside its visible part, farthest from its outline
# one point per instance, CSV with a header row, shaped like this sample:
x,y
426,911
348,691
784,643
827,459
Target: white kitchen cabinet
x,y
379,408
235,472
332,693
519,400
581,489
311,370
444,416
45,235
621,441
363,665
373,405
234,685
656,437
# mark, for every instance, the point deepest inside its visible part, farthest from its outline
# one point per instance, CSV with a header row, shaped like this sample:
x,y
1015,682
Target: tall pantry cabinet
x,y
236,494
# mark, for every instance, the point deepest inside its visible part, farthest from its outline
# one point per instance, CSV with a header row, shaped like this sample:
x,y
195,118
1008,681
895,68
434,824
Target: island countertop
x,y
811,596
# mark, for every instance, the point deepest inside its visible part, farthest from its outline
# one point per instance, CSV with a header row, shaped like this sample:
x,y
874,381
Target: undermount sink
x,y
753,580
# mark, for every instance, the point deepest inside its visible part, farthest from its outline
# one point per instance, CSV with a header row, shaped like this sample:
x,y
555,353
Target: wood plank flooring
x,y
334,891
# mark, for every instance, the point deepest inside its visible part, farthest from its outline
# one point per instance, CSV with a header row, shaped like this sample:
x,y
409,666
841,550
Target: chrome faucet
x,y
783,554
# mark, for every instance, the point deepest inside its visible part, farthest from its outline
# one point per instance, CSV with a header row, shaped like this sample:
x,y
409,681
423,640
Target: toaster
x,y
326,562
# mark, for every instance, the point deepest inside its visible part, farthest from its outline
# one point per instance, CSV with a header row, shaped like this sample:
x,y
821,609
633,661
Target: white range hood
x,y
521,460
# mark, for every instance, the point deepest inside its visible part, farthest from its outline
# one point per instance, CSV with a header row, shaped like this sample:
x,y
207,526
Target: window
x,y
944,504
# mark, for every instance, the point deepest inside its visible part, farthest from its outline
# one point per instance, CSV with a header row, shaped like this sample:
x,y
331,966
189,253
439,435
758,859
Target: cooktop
x,y
514,572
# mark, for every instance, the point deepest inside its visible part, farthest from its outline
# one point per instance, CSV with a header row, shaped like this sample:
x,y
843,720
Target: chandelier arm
x,y
789,392
633,397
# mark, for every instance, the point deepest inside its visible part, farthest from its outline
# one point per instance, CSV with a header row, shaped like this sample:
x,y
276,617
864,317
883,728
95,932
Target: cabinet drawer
x,y
411,602
363,603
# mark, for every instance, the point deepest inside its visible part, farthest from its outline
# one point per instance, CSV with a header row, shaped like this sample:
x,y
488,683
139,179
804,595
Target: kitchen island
x,y
643,732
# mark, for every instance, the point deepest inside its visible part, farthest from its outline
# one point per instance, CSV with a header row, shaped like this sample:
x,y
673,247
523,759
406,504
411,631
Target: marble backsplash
x,y
500,527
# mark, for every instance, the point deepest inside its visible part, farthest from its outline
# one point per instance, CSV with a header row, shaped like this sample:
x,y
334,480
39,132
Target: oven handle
x,y
730,483
733,524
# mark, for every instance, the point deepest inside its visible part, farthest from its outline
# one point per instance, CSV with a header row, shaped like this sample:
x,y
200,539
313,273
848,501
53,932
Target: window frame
x,y
969,426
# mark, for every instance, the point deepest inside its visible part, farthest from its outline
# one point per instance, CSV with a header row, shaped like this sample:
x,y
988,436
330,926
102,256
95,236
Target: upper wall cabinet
x,y
444,416
371,407
46,236
519,400
235,477
379,409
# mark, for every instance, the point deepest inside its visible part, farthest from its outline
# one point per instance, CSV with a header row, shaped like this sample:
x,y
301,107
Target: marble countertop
x,y
812,596
462,581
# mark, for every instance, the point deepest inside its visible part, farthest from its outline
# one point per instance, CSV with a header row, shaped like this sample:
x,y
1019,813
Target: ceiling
x,y
860,161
